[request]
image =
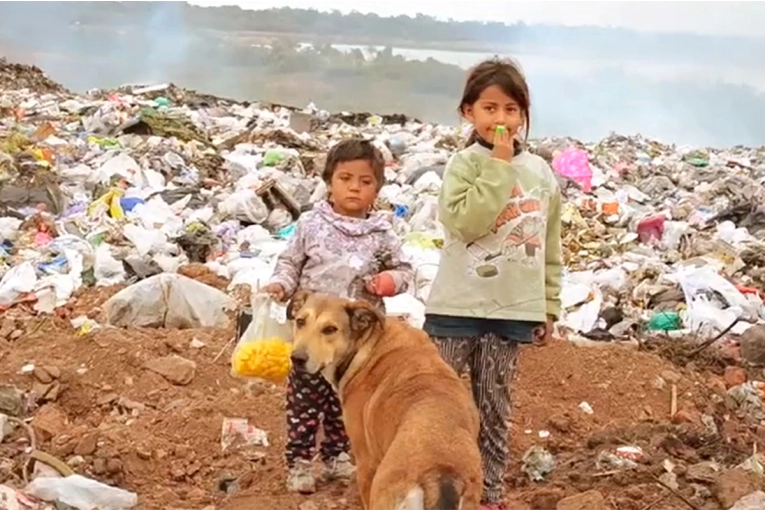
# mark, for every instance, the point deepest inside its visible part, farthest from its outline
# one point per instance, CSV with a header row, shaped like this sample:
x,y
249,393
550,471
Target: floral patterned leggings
x,y
311,400
492,361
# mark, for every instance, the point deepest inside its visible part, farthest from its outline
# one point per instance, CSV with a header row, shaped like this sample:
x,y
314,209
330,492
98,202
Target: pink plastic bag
x,y
575,164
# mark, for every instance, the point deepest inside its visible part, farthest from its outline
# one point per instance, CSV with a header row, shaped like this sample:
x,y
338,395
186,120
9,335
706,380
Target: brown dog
x,y
412,423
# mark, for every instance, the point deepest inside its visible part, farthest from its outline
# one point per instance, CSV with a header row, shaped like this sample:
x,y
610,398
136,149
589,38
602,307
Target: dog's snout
x,y
299,359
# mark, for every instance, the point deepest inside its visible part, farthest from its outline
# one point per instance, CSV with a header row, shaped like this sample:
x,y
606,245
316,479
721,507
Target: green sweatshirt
x,y
502,252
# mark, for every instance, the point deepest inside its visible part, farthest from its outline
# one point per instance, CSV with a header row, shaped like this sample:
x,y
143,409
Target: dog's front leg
x,y
364,475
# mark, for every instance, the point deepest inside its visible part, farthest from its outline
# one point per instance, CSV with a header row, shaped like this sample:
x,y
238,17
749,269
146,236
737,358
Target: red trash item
x,y
384,284
651,228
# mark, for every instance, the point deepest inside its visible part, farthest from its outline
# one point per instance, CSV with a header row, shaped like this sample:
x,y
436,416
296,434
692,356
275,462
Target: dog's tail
x,y
444,488
449,493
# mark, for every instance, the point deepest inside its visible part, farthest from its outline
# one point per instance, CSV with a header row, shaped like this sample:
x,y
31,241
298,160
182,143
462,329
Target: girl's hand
x,y
503,144
276,291
382,284
543,334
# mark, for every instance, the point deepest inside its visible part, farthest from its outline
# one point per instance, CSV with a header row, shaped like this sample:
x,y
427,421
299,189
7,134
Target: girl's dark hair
x,y
353,150
507,75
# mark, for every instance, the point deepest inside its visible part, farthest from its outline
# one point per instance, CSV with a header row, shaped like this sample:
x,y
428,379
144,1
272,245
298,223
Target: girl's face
x,y
353,188
494,108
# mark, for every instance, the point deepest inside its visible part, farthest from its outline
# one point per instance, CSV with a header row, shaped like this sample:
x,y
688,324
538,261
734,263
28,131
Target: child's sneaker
x,y
300,478
339,468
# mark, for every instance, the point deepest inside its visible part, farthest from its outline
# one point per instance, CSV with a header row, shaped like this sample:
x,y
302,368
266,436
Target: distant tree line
x,y
421,30
278,69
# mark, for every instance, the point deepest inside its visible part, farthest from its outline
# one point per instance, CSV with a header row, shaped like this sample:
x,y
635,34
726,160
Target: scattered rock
x,y
42,375
670,376
7,326
48,421
178,471
75,461
87,444
670,480
560,423
687,416
733,485
113,466
590,500
734,376
107,399
545,499
99,467
308,505
46,392
659,383
174,368
12,401
753,344
706,472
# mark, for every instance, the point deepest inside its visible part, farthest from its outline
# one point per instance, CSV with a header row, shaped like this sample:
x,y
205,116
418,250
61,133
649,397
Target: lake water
x,y
536,64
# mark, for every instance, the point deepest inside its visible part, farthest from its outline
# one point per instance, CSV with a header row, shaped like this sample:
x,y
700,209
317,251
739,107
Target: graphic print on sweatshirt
x,y
518,235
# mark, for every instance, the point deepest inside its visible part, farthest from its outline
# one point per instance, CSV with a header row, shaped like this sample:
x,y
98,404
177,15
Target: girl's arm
x,y
398,267
472,197
289,264
553,255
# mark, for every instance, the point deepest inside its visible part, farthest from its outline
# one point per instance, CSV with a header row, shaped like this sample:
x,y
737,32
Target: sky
x,y
712,18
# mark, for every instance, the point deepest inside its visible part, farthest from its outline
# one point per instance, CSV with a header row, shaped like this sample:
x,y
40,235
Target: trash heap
x,y
134,186
118,186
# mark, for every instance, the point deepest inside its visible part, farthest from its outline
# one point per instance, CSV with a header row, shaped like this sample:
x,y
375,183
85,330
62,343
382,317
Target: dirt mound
x,y
144,409
20,76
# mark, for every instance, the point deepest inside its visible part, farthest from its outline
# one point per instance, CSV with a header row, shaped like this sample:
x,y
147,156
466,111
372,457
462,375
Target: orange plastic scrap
x,y
44,131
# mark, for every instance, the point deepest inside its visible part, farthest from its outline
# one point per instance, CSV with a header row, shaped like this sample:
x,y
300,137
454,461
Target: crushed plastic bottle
x,y
538,463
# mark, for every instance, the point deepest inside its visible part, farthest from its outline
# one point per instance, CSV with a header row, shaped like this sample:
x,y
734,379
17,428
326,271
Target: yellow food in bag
x,y
265,359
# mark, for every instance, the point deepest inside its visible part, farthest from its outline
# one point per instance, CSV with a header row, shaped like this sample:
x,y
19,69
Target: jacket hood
x,y
375,222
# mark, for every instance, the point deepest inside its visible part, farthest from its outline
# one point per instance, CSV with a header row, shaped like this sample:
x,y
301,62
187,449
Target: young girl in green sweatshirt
x,y
498,283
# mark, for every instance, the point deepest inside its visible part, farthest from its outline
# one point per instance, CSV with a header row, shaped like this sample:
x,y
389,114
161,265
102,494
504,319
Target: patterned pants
x,y
492,361
312,400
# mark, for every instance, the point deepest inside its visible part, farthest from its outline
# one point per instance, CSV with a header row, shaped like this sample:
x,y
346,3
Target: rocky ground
x,y
144,410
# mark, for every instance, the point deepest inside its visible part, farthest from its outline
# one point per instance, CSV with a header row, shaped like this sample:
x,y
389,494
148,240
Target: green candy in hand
x,y
500,130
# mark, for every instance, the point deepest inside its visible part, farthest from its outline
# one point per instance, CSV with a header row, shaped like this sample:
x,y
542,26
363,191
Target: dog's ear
x,y
296,303
363,315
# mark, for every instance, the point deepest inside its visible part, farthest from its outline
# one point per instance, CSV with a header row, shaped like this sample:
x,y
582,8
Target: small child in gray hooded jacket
x,y
342,248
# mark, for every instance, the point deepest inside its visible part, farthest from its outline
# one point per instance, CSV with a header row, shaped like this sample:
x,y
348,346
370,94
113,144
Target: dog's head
x,y
329,331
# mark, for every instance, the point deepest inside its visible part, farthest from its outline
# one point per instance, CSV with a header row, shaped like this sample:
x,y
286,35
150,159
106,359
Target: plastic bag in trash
x,y
263,351
81,493
170,301
244,205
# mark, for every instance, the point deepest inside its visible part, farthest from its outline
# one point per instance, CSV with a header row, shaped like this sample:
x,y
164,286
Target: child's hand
x,y
276,291
382,284
503,144
543,334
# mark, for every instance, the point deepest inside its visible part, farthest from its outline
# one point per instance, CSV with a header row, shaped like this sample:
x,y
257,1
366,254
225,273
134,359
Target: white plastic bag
x,y
17,281
702,315
170,301
244,205
263,350
81,493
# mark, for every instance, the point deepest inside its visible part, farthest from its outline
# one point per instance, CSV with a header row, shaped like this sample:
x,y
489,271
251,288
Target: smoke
x,y
168,41
586,82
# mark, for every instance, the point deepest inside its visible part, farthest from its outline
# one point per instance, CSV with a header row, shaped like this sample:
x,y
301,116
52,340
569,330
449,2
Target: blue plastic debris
x,y
129,203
